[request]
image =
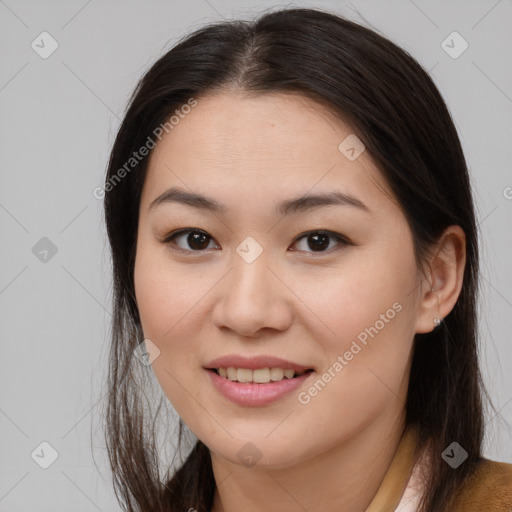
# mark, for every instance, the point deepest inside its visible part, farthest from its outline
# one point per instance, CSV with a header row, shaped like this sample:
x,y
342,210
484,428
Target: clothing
x,y
489,489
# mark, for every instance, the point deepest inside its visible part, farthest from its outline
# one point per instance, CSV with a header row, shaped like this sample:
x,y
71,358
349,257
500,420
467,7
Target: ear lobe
x,y
447,273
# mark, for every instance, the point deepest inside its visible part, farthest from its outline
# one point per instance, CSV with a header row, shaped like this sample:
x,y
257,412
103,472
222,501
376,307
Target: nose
x,y
252,299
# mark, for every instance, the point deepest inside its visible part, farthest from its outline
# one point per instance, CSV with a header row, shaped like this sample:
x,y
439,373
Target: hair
x,y
396,110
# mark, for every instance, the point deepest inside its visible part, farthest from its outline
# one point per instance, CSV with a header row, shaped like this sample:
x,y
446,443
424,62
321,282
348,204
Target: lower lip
x,y
250,393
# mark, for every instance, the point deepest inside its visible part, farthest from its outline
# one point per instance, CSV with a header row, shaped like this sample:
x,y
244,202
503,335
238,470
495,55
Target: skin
x,y
249,153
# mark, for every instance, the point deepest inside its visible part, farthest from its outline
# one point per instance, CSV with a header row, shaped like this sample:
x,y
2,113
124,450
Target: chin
x,y
260,452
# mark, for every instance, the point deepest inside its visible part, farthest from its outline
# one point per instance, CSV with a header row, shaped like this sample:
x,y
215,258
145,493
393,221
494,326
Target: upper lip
x,y
254,363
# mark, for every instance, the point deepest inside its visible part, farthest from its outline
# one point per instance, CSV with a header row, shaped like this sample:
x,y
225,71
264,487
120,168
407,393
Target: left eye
x,y
197,240
318,240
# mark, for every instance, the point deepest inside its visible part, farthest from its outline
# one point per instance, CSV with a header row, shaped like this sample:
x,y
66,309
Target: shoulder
x,y
489,488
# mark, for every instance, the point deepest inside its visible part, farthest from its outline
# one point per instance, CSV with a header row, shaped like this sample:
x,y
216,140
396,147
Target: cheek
x,y
366,318
365,363
164,293
165,308
171,301
365,296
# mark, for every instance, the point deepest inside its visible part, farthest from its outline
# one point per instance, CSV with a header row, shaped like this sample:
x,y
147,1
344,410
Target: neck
x,y
344,477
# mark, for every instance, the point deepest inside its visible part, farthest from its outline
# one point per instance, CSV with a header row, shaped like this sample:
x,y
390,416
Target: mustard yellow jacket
x,y
489,489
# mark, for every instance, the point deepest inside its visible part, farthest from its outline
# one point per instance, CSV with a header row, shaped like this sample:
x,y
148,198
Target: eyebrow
x,y
294,205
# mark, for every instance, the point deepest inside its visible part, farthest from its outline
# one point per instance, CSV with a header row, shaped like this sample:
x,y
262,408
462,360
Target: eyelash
x,y
169,240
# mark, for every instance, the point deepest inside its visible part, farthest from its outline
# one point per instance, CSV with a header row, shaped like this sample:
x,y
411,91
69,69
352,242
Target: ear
x,y
446,269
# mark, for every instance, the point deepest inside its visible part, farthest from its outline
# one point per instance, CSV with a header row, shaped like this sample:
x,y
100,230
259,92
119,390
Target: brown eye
x,y
194,241
319,241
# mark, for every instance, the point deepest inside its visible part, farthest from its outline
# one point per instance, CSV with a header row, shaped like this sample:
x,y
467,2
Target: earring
x,y
437,322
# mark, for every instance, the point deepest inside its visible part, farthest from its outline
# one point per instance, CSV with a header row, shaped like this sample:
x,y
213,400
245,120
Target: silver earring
x,y
437,322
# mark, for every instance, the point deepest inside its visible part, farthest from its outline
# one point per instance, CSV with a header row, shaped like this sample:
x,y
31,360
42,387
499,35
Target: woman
x,y
295,252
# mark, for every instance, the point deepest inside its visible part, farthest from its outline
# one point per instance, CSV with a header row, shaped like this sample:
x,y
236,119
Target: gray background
x,y
59,116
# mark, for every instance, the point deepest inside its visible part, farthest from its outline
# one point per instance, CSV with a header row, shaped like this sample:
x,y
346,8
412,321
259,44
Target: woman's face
x,y
259,280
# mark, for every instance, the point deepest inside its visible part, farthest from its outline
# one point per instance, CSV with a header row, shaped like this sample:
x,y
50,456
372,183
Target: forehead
x,y
259,147
229,124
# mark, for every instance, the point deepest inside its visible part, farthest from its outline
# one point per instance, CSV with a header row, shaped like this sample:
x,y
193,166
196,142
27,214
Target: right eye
x,y
195,240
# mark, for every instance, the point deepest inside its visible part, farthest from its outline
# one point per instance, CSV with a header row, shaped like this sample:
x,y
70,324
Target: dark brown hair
x,y
394,107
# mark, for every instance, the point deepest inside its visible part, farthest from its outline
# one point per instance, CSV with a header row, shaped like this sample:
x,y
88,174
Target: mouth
x,y
259,387
259,375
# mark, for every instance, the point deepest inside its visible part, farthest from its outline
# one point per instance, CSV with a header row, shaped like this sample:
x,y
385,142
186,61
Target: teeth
x,y
260,376
276,373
